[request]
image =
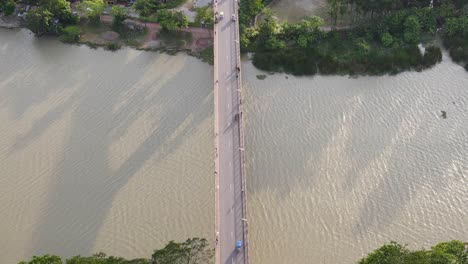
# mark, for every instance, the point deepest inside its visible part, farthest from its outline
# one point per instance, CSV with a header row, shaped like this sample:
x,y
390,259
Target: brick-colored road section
x,y
231,220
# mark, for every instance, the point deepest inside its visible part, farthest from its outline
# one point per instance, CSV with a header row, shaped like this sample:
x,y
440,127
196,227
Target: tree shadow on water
x,y
84,184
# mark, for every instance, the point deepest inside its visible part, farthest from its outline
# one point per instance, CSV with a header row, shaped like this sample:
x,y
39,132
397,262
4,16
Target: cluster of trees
x,y
204,15
387,45
92,9
455,32
197,251
383,41
148,7
56,17
171,21
7,7
452,252
373,8
50,16
119,14
192,251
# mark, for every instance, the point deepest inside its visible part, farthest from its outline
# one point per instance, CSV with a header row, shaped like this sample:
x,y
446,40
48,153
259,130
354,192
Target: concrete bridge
x,y
231,215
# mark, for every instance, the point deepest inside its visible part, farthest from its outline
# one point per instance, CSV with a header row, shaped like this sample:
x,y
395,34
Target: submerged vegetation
x,y
382,39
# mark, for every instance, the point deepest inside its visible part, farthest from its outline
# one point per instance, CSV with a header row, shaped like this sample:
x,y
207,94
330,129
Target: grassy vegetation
x,y
70,34
147,8
113,46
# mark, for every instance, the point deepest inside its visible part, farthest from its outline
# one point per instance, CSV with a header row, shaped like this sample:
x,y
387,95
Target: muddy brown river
x,y
113,151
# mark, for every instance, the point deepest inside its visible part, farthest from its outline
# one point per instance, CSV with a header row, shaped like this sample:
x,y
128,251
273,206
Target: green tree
x,y
7,7
49,16
412,30
335,9
92,9
247,36
204,15
387,39
452,252
144,7
392,253
39,21
71,34
248,9
268,33
192,251
456,27
46,259
455,252
171,21
60,10
99,258
119,14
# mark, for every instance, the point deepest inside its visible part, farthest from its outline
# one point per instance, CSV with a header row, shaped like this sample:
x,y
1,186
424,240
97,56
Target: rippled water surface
x,y
101,151
112,152
339,166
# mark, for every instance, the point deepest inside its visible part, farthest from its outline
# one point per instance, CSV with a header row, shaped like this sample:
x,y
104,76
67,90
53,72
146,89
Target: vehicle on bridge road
x,y
218,16
238,245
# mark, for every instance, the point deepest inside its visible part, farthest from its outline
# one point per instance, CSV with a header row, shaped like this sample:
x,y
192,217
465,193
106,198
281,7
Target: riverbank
x,y
9,22
381,40
138,34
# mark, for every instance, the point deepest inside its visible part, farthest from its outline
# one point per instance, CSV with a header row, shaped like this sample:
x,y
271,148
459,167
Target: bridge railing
x,y
216,139
241,137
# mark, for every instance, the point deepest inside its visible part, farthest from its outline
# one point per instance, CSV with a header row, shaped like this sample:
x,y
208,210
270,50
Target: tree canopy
x,y
50,16
171,21
204,15
119,14
192,251
148,7
7,7
92,9
452,252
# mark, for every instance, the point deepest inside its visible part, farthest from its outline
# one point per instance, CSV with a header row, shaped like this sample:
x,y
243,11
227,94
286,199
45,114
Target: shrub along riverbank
x,y
383,40
197,251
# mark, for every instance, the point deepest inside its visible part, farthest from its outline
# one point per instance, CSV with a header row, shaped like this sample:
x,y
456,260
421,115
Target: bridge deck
x,y
231,223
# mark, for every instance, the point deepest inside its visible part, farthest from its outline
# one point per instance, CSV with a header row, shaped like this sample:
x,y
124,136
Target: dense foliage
x,y
192,251
50,16
383,38
92,9
148,7
7,7
70,34
456,38
205,16
452,252
385,46
118,14
171,21
197,251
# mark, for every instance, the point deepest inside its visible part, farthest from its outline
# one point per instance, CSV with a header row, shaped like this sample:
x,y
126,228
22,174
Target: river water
x,y
339,166
103,151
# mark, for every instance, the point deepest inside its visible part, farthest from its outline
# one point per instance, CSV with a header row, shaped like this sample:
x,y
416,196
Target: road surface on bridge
x,y
231,223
